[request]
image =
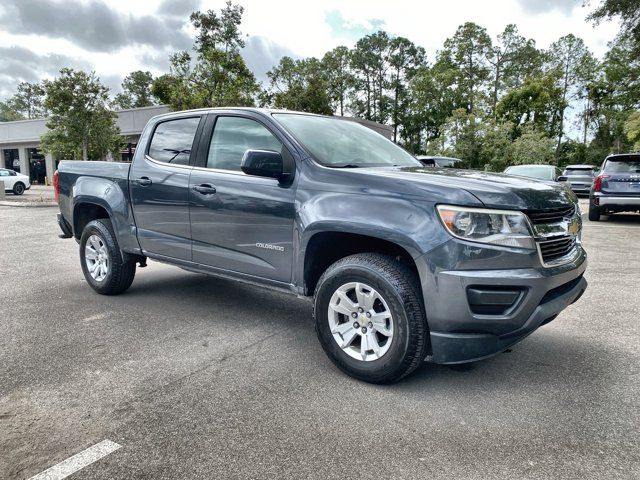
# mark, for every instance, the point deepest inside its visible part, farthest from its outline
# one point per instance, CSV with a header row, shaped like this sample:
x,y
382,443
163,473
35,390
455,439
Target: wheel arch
x,y
325,247
85,212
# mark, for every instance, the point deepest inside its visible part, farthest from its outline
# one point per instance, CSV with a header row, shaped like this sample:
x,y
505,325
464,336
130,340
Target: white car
x,y
14,182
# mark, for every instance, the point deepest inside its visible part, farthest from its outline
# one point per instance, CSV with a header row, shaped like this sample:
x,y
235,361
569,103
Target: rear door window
x,y
172,140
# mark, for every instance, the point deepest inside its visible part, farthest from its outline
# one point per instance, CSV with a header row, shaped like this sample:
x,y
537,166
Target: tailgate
x,y
620,184
621,175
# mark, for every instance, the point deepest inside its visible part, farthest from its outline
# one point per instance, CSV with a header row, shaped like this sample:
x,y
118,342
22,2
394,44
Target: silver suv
x,y
580,177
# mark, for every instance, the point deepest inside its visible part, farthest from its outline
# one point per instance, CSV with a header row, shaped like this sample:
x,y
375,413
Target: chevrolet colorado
x,y
404,263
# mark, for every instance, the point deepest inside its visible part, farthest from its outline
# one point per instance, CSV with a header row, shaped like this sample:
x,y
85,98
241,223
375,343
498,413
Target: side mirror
x,y
562,178
263,163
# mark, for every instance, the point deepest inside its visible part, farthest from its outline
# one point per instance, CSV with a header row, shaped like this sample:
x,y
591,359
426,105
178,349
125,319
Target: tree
x,y
431,102
629,13
467,52
533,146
632,129
369,62
340,79
404,60
569,59
535,103
81,123
495,153
136,91
217,75
300,85
27,102
462,137
8,112
513,59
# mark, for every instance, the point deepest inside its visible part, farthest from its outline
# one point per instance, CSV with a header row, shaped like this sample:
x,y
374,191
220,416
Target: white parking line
x,y
78,461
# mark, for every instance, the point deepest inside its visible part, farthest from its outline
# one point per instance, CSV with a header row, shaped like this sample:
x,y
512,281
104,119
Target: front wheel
x,y
370,319
102,263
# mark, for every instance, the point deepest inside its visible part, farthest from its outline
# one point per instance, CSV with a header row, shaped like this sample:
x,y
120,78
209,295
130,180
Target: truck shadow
x,y
547,359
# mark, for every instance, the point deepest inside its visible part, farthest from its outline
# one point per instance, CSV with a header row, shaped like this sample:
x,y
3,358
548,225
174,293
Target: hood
x,y
494,190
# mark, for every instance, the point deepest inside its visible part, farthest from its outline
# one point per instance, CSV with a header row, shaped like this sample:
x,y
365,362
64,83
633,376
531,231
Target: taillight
x,y
56,186
597,183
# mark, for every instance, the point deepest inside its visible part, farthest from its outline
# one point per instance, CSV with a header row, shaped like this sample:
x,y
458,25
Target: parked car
x,y
580,177
404,264
617,187
14,182
441,162
539,172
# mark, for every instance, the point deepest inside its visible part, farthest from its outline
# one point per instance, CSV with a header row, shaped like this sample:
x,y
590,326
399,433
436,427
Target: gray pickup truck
x,y
405,264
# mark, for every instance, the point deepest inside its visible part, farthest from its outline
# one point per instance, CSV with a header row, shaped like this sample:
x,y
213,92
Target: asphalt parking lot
x,y
198,377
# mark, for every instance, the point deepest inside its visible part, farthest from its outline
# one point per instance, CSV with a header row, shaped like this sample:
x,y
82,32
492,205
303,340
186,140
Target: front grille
x,y
556,247
550,215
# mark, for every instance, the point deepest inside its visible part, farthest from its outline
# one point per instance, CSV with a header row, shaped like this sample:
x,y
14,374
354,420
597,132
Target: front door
x,y
239,222
159,183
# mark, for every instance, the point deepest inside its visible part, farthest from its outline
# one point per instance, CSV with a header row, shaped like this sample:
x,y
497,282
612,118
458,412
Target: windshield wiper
x,y
345,165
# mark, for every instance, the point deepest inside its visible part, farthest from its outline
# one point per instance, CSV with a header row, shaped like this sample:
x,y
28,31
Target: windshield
x,y
626,165
541,173
342,143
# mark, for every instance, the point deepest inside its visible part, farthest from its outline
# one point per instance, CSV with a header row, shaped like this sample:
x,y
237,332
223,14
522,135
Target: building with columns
x,y
20,140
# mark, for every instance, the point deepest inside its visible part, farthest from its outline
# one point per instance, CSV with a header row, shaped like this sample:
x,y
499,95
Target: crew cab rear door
x,y
159,186
240,223
621,175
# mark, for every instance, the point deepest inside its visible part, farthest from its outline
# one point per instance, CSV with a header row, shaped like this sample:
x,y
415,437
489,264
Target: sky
x,y
115,37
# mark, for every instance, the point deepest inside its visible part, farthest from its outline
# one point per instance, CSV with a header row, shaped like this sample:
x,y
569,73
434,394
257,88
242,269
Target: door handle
x,y
205,189
144,181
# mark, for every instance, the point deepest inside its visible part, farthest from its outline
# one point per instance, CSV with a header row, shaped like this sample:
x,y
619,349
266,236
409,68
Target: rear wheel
x,y
18,188
370,319
101,260
594,213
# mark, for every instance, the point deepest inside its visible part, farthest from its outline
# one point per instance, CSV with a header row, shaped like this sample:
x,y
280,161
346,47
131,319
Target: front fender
x,y
409,223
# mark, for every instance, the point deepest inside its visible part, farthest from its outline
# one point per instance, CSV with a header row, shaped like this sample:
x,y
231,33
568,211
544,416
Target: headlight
x,y
507,228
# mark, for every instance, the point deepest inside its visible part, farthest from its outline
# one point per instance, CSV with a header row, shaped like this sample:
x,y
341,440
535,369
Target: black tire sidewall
x,y
390,363
18,188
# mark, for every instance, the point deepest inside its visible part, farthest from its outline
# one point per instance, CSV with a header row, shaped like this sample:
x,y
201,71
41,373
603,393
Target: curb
x,y
28,204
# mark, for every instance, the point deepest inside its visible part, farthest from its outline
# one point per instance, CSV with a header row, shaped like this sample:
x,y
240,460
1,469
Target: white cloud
x,y
301,28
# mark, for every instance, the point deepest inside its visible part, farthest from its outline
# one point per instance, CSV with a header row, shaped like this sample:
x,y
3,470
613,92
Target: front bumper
x,y
459,333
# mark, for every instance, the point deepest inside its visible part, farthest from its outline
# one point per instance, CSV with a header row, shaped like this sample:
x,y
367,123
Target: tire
x,y
18,188
398,290
594,213
119,274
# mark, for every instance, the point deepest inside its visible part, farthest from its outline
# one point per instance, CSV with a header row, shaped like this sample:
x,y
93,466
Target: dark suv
x,y
617,188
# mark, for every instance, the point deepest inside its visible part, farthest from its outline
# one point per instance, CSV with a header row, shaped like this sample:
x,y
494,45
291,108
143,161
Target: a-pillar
x,y
23,156
50,167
